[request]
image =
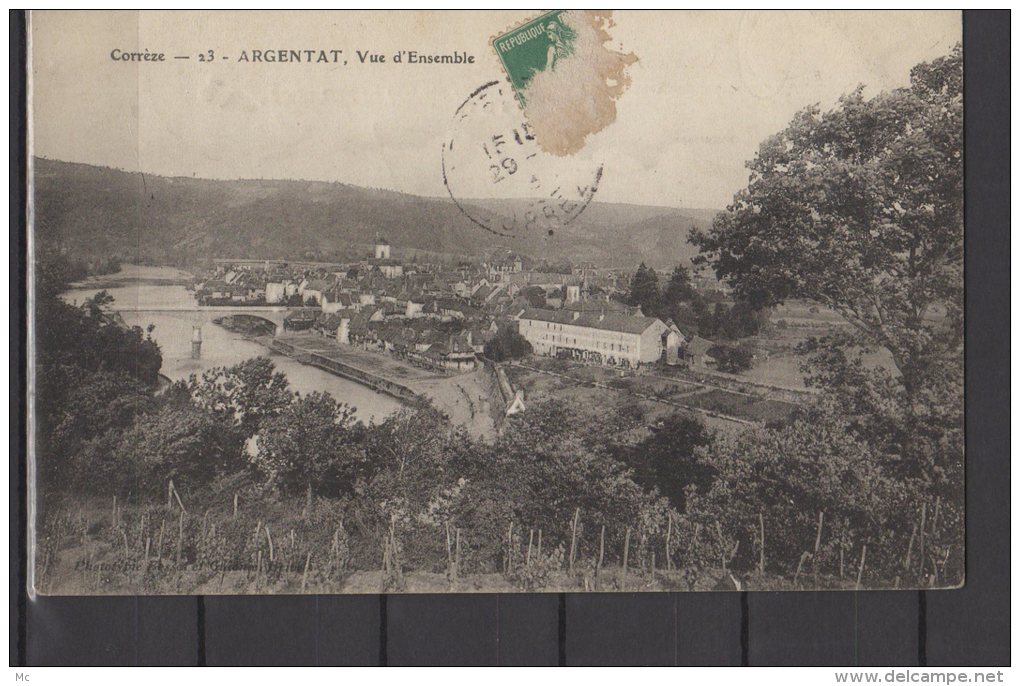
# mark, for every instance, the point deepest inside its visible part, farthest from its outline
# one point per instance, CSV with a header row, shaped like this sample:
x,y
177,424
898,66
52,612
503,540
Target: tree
x,y
861,209
183,443
666,459
787,477
92,374
644,290
679,288
507,344
682,302
535,295
309,446
102,402
732,359
245,395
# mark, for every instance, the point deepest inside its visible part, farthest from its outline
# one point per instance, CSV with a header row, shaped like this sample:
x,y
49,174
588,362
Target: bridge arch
x,y
199,315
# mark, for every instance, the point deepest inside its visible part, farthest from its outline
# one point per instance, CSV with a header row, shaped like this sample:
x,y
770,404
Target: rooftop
x,y
608,322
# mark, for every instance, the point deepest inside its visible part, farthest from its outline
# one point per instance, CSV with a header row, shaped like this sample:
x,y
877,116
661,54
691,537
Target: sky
x,y
707,88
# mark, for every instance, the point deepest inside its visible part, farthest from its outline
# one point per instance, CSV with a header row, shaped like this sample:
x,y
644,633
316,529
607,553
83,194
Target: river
x,y
138,288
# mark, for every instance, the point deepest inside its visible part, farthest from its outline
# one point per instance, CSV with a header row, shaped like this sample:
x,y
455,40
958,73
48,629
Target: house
x,y
391,269
414,309
695,352
314,289
333,300
510,264
276,292
214,289
382,249
602,338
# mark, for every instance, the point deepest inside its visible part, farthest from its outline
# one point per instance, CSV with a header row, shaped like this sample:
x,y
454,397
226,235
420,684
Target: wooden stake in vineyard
x,y
509,547
180,537
669,535
304,575
269,540
449,551
573,538
456,556
920,562
818,543
761,541
860,570
626,555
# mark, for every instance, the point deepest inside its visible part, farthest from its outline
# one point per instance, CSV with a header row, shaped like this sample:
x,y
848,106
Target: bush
x,y
507,344
732,359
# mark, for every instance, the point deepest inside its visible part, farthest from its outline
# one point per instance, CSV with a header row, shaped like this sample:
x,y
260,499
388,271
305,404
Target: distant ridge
x,y
91,210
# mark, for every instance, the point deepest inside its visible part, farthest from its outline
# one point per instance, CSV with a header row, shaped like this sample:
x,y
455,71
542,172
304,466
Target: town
x,y
442,317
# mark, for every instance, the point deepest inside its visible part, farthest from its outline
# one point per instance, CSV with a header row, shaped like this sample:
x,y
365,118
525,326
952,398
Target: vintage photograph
x,y
454,302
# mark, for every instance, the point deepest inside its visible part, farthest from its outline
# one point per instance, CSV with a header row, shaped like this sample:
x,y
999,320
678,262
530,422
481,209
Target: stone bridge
x,y
198,315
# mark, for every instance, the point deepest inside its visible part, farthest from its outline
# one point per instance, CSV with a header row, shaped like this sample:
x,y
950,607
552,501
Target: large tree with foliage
x,y
507,344
310,446
245,395
644,290
861,208
180,442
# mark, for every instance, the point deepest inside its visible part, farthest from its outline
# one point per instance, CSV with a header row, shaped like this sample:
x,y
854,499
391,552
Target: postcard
x,y
452,302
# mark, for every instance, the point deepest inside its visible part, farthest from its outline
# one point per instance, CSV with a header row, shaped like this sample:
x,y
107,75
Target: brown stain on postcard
x,y
577,96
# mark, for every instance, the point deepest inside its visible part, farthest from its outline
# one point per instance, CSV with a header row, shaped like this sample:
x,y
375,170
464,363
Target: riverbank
x,y
333,362
466,398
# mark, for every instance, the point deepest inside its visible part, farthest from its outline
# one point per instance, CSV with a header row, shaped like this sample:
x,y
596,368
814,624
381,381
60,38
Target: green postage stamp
x,y
534,47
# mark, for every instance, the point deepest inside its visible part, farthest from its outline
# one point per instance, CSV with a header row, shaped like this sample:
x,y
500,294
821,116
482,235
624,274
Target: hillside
x,y
97,210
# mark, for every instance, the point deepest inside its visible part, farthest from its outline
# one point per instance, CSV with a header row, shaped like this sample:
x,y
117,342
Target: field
x,y
743,406
657,396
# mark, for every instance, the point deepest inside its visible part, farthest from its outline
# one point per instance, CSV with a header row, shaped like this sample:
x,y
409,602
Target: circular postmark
x,y
501,179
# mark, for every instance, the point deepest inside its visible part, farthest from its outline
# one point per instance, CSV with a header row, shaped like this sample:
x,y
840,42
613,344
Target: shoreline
x,y
345,370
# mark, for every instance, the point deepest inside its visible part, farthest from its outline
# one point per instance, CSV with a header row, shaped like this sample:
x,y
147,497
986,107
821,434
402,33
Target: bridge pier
x,y
196,342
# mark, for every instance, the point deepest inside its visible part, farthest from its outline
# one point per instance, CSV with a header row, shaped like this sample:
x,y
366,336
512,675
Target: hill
x,y
91,210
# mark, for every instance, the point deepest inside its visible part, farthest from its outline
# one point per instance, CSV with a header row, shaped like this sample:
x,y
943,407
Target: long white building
x,y
602,338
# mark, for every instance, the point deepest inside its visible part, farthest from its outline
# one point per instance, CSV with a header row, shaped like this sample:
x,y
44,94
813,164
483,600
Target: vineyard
x,y
242,546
